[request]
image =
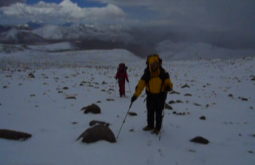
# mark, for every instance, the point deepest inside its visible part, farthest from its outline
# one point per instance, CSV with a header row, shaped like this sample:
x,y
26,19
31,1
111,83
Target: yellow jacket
x,y
155,82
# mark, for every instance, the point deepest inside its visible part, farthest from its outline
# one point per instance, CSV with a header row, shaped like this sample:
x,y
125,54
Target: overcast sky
x,y
235,16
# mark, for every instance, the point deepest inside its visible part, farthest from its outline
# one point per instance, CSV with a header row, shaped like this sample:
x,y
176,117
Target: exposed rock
x,y
131,130
32,95
96,133
109,99
200,140
93,108
174,92
31,75
171,102
250,151
71,97
243,98
252,78
185,86
65,88
188,94
231,95
196,104
180,113
202,118
14,135
132,113
167,106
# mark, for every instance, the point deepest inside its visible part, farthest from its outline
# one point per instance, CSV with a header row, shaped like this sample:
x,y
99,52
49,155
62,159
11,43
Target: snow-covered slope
x,y
41,57
60,46
220,90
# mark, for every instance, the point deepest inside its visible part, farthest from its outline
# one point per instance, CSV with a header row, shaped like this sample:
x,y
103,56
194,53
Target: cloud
x,y
66,11
231,14
9,2
221,22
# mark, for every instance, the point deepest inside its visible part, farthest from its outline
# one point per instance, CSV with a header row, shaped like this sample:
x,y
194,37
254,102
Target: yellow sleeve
x,y
168,83
139,88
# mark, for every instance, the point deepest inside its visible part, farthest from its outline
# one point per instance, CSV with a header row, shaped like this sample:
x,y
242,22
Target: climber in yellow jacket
x,y
157,83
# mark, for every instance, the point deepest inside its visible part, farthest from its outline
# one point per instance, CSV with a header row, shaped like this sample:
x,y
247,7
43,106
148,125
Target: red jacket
x,y
121,74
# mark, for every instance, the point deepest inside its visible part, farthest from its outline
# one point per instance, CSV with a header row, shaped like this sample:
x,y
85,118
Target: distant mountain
x,y
20,36
83,31
82,36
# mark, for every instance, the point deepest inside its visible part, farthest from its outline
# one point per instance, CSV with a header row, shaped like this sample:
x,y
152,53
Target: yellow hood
x,y
152,60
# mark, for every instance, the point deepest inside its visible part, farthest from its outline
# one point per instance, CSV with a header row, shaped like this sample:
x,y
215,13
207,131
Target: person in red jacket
x,y
122,76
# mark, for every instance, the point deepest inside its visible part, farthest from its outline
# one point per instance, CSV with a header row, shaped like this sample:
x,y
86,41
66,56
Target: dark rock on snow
x,y
202,118
243,98
196,104
185,86
171,102
71,97
200,140
132,113
31,75
174,92
188,94
231,95
93,108
14,135
96,133
109,99
252,78
167,106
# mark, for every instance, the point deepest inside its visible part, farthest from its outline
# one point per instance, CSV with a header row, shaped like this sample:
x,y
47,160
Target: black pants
x,y
155,106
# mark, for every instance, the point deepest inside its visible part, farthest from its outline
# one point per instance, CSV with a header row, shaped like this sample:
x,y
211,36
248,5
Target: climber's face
x,y
154,66
153,63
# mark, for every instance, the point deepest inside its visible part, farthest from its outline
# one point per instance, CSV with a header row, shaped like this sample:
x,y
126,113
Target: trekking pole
x,y
124,119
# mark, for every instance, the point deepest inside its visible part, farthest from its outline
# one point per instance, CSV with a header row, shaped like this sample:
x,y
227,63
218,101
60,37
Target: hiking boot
x,y
156,131
147,128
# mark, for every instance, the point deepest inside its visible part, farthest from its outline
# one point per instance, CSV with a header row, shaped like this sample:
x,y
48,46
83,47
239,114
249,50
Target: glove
x,y
168,88
133,98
